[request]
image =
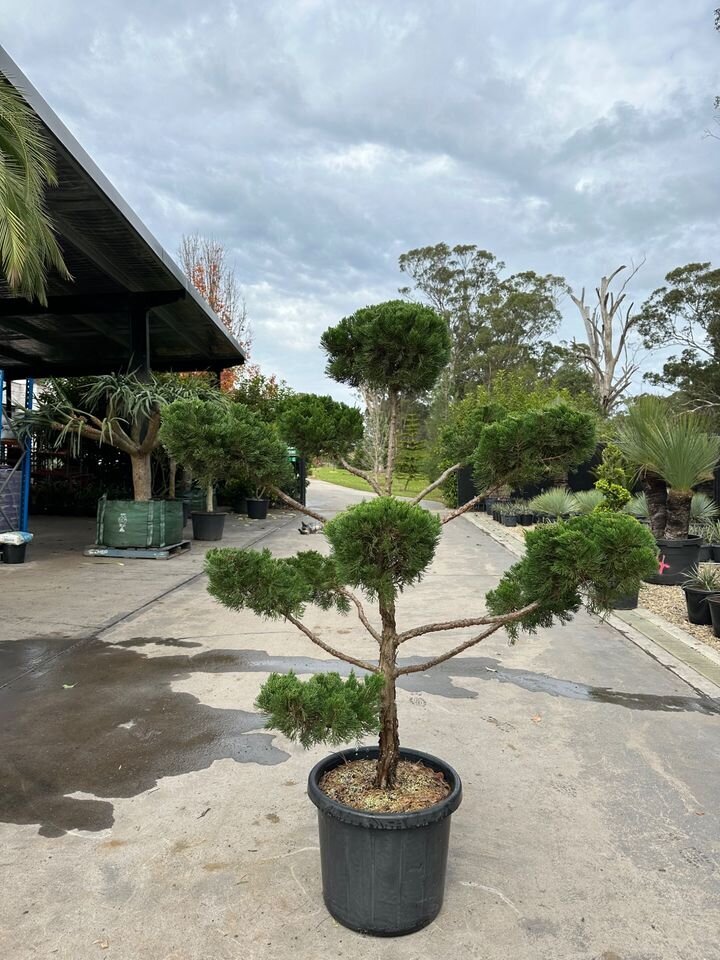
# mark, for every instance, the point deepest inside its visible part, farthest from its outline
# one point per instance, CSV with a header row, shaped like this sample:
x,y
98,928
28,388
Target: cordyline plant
x,y
383,546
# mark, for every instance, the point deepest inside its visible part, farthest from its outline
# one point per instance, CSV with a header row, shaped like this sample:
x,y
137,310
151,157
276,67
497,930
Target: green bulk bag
x,y
139,524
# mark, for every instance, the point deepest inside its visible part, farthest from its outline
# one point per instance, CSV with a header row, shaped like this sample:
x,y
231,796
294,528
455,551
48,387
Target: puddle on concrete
x,y
103,720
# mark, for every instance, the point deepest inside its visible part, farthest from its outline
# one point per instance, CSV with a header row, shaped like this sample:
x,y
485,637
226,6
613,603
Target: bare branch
x,y
502,621
441,479
363,474
465,507
448,625
364,665
361,614
296,505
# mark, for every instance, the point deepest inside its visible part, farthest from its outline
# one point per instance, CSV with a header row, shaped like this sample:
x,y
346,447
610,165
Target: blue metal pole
x,y
25,476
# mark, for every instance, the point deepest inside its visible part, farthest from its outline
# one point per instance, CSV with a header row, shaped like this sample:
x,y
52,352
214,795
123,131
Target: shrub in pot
x,y
379,549
555,502
671,454
701,584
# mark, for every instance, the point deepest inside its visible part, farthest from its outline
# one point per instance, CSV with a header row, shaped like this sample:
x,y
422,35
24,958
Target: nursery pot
x,y
696,600
627,601
257,508
13,552
383,873
713,603
705,554
509,520
715,552
676,557
526,519
207,526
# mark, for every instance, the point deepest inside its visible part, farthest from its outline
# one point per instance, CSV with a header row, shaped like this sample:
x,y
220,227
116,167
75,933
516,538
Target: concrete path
x,y
145,813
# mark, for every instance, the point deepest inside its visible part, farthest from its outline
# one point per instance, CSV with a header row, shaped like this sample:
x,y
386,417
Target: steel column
x,y
24,512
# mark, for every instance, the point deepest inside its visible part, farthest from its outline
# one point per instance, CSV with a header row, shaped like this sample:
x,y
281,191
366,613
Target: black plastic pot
x,y
509,520
13,552
526,519
383,873
256,508
627,601
713,603
696,601
208,526
676,557
705,554
715,552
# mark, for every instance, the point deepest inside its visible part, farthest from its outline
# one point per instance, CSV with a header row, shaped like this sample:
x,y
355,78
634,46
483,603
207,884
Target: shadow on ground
x,y
103,720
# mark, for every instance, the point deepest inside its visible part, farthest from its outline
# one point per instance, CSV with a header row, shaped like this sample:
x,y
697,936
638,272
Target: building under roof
x,y
128,305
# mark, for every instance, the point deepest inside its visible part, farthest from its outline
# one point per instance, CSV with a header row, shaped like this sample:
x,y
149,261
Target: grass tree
x,y
671,454
383,546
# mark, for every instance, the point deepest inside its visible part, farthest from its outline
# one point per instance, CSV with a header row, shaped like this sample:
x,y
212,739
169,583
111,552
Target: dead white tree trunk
x,y
608,352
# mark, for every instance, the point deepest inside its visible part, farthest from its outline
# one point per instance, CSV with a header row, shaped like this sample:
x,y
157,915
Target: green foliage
x,y
265,396
600,556
613,466
410,449
703,508
555,502
588,500
637,506
320,426
28,246
215,440
686,313
382,545
274,587
614,497
395,346
534,446
323,709
703,578
496,322
466,421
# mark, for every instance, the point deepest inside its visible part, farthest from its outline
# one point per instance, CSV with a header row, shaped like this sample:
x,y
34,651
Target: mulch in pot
x,y
416,787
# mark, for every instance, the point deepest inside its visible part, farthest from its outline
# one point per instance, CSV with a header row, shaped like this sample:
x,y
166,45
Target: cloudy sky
x,y
319,139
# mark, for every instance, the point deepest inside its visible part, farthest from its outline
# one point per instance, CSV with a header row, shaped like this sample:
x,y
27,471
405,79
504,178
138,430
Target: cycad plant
x,y
28,246
672,454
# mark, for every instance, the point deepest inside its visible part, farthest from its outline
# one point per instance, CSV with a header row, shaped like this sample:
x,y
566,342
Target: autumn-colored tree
x,y
205,263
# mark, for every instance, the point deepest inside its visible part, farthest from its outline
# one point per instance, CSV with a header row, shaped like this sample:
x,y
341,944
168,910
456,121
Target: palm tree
x,y
672,454
28,247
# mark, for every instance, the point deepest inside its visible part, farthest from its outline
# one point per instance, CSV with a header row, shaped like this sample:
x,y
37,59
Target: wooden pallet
x,y
138,553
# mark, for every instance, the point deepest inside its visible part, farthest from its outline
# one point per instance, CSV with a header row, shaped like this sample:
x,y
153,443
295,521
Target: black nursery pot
x,y
675,560
208,526
257,509
705,554
509,519
13,552
715,552
713,603
696,600
627,601
383,873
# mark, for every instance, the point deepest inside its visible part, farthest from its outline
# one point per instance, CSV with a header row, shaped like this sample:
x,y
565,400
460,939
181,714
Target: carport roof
x,y
96,322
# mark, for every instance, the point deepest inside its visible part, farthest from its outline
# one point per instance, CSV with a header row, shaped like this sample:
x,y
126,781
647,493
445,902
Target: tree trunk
x,y
392,442
678,514
389,745
141,476
209,497
656,493
172,474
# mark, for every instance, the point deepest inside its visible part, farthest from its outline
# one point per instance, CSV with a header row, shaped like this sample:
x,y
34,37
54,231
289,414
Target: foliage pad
x,y
382,545
600,556
323,709
320,426
273,587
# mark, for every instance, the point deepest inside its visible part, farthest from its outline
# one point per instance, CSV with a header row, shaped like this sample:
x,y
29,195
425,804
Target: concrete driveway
x,y
145,813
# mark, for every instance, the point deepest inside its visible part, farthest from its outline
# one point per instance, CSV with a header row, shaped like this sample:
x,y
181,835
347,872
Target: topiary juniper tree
x,y
383,546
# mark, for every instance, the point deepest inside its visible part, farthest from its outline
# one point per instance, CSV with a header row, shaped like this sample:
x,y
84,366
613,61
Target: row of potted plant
x,y
702,596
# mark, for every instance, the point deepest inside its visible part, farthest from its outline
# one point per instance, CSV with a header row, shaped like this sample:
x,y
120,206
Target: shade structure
x,y
128,305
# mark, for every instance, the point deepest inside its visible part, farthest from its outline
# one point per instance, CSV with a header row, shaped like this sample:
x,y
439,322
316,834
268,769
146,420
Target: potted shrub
x,y
711,536
383,845
701,584
555,502
196,434
611,485
671,455
713,602
125,412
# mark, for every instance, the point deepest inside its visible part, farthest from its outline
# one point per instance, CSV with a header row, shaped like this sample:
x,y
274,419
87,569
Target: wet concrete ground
x,y
144,807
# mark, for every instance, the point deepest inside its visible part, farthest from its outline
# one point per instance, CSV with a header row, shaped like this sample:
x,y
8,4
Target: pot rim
x,y
690,541
384,821
700,590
